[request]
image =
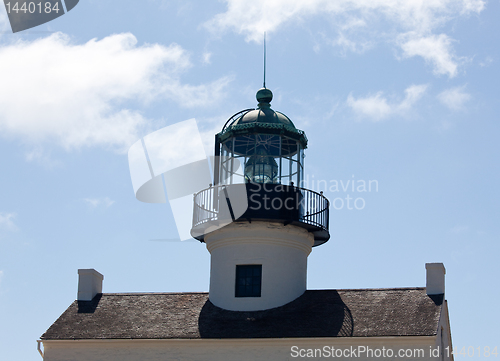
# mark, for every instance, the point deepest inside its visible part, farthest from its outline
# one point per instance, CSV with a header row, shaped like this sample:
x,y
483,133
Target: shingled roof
x,y
317,313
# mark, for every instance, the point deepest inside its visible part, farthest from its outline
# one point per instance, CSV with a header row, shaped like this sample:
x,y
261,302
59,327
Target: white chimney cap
x,y
435,278
89,284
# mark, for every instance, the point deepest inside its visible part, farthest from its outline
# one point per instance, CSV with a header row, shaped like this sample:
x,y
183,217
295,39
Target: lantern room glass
x,y
261,158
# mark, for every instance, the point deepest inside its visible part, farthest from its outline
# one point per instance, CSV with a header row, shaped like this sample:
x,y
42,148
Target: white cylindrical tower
x,y
258,224
258,265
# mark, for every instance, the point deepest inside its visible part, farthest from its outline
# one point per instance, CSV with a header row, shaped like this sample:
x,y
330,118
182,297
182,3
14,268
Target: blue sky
x,y
403,92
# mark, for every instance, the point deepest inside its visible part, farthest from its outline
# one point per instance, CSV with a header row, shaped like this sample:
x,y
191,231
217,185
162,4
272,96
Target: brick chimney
x,y
435,278
89,284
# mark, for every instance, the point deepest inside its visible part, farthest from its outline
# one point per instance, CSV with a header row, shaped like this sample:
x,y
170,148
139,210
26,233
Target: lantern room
x,y
260,146
258,173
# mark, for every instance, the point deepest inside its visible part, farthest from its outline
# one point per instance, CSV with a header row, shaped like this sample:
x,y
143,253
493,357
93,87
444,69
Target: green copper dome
x,y
262,120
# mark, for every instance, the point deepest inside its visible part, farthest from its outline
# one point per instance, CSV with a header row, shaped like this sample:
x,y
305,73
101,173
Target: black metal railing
x,y
306,208
205,208
317,209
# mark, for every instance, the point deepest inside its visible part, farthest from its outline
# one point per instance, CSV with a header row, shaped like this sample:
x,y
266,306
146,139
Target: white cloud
x,y
374,106
486,61
7,221
206,58
346,44
358,23
435,49
412,94
76,93
454,98
99,202
377,107
40,156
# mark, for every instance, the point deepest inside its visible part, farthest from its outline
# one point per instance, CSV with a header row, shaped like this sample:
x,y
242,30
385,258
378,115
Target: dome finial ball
x,y
264,95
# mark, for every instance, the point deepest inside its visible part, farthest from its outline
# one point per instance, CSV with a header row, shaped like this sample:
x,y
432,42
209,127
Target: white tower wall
x,y
281,250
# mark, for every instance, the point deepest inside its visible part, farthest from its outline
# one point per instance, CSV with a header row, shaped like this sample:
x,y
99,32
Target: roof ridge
x,y
319,289
370,289
151,293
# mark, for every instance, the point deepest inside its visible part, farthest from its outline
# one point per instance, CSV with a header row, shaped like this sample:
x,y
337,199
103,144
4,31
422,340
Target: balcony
x,y
218,206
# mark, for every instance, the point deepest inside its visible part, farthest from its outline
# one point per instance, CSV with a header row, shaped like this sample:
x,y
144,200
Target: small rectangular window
x,y
248,280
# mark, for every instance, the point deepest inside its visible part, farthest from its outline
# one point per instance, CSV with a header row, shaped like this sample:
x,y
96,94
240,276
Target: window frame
x,y
248,280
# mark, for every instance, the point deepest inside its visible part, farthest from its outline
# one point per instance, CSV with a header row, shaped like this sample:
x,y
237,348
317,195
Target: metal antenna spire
x,y
264,59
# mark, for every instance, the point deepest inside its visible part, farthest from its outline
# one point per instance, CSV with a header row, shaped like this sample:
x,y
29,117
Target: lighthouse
x,y
259,226
256,220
